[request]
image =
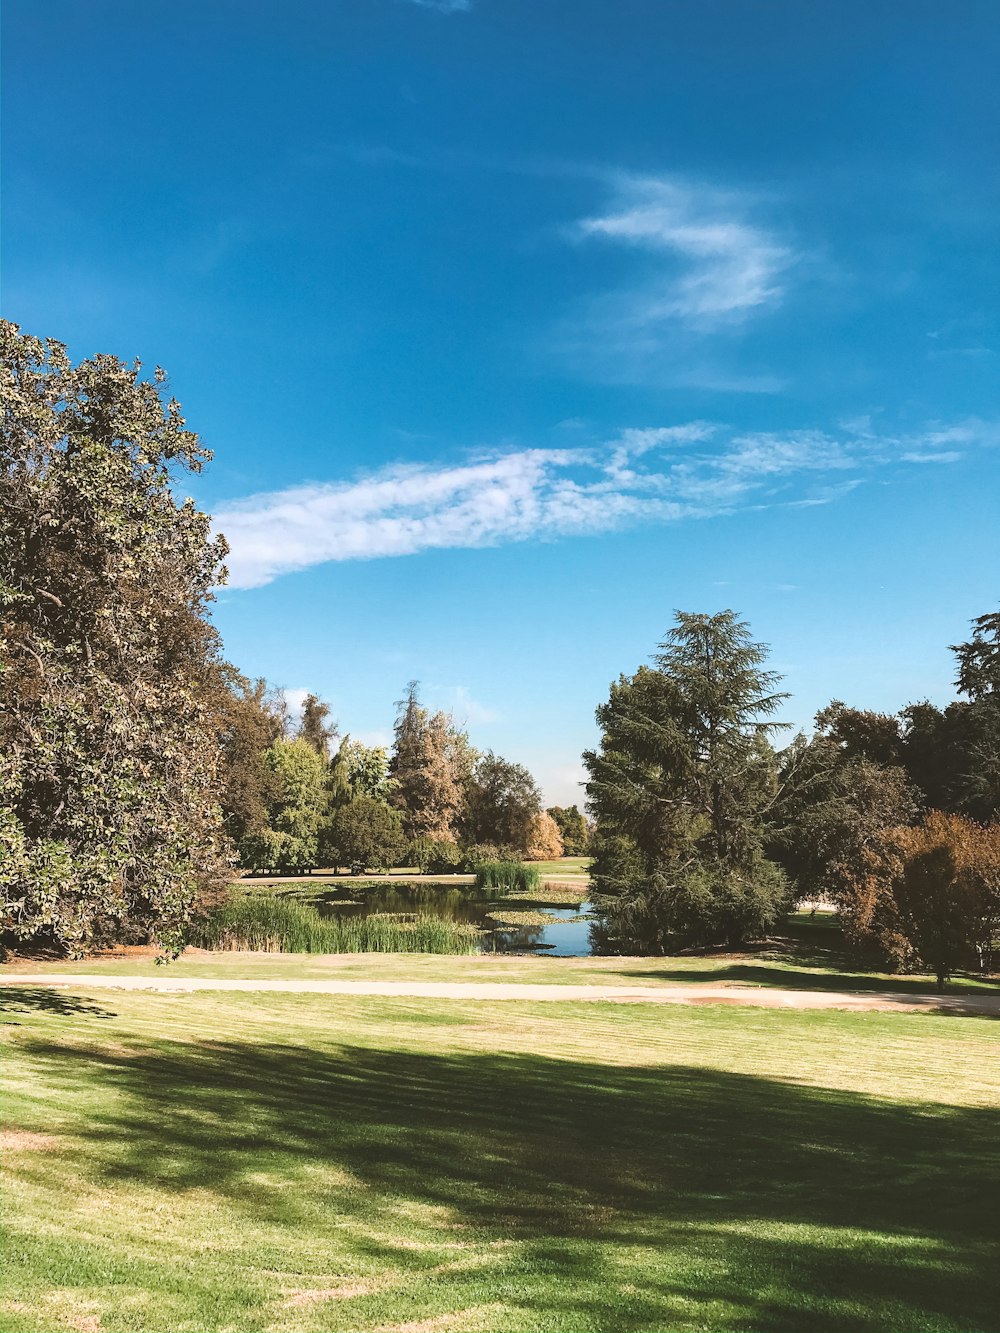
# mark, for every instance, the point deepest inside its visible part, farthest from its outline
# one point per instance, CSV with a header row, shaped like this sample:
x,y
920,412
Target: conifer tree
x,y
680,786
427,790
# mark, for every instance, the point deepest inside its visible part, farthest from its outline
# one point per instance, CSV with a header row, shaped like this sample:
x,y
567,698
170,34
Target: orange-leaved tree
x,y
931,894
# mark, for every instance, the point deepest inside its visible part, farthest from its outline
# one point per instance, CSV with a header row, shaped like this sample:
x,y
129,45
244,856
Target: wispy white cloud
x,y
443,6
295,698
703,264
661,474
723,265
459,702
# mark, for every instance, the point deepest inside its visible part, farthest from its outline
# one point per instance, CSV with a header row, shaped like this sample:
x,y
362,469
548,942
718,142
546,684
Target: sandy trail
x,y
761,997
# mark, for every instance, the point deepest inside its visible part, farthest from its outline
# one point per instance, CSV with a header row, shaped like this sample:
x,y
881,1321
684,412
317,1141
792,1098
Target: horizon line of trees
x,y
296,799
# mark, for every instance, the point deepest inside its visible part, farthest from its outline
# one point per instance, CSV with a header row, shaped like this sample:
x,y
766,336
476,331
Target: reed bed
x,y
508,875
281,925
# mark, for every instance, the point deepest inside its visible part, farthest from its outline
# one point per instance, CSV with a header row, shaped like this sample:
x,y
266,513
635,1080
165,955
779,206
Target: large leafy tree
x,y
832,805
365,834
368,770
929,894
249,719
110,824
680,788
501,804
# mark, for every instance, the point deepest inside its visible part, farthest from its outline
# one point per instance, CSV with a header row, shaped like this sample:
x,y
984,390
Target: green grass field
x,y
269,1162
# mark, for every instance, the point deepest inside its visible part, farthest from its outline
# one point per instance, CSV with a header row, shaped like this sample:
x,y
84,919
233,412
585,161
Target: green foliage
x,y
339,787
109,748
478,853
368,770
249,719
291,840
680,788
573,828
700,902
833,804
502,799
435,856
365,834
285,926
511,875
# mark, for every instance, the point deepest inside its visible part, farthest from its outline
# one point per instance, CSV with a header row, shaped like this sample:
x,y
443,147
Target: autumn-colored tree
x,y
930,894
110,822
544,839
427,790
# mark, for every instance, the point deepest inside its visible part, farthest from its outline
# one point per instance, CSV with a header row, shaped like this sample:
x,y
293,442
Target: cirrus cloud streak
x,y
650,474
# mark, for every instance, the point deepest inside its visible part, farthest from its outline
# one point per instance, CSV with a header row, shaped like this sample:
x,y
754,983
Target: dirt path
x,y
767,998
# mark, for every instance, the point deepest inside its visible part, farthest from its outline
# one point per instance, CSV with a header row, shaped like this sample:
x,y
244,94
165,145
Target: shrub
x,y
434,856
478,853
283,925
511,875
700,903
364,834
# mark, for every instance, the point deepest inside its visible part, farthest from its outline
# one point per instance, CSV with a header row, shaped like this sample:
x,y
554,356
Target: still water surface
x,y
569,936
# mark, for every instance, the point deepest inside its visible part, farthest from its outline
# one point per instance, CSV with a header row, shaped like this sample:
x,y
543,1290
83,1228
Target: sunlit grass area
x,y
572,867
809,955
265,1162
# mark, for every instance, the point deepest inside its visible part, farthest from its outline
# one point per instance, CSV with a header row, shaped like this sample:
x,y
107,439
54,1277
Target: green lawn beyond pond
x,y
212,1161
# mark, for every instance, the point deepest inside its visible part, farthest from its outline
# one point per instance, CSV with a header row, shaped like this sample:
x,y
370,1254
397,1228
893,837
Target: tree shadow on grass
x,y
770,974
783,961
42,999
742,1189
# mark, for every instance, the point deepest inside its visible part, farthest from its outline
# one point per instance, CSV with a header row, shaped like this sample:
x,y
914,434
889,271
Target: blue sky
x,y
517,324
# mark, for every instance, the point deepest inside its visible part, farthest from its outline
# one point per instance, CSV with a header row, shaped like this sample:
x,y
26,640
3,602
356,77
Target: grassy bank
x,y
808,957
292,1163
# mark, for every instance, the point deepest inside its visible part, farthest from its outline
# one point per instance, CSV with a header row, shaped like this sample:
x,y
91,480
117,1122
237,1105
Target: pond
x,y
565,933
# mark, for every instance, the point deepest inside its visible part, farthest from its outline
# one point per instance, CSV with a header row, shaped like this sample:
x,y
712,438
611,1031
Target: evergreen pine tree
x,y
680,786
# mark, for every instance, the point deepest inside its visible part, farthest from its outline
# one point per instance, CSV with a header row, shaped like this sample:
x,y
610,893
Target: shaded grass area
x,y
251,1162
284,925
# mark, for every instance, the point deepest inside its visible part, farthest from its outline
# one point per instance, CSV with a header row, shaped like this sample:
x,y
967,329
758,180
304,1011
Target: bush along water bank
x,y
508,875
279,925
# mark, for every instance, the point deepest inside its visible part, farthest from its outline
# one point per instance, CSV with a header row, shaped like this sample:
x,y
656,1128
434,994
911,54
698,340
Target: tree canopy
x,y
110,823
